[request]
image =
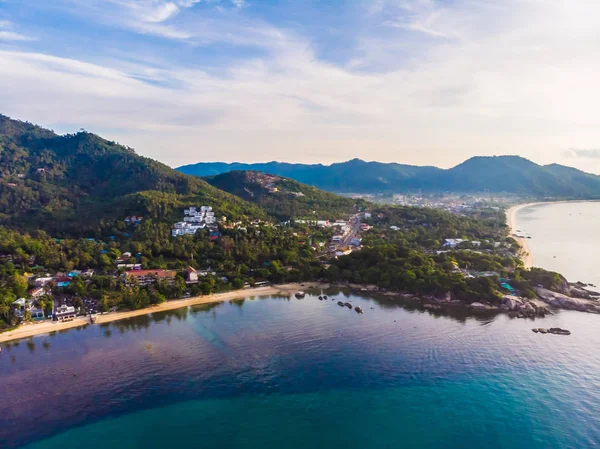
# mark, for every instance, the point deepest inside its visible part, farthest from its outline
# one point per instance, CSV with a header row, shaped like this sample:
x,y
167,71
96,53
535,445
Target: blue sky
x,y
414,81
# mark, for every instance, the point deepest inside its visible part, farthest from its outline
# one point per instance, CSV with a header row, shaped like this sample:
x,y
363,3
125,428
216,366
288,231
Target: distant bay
x,y
565,237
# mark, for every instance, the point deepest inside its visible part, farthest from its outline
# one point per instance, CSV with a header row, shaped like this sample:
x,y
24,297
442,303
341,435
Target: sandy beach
x,y
511,215
44,327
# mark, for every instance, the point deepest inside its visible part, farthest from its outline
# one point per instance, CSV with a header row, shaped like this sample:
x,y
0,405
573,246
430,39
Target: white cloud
x,y
7,34
11,36
584,153
515,78
153,11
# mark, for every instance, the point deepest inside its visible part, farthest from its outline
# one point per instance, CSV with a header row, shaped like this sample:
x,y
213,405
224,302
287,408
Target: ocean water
x,y
280,372
565,237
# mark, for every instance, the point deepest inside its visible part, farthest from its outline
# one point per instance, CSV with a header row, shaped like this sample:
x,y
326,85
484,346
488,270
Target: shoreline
x,y
511,214
45,327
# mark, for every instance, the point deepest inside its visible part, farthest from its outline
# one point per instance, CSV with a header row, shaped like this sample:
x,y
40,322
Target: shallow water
x,y
565,237
281,372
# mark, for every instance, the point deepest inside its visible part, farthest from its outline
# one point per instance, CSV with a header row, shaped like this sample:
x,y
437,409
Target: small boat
x,y
300,295
93,318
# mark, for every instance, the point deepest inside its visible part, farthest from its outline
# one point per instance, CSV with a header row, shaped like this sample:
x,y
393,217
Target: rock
x,y
340,303
478,305
511,302
535,330
347,304
358,309
559,331
543,331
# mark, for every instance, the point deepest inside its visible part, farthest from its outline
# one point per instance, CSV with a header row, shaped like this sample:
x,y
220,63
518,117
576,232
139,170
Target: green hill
x,y
284,198
80,183
501,174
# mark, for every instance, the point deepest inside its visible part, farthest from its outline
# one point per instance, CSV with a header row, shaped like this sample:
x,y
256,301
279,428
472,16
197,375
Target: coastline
x,y
511,214
33,329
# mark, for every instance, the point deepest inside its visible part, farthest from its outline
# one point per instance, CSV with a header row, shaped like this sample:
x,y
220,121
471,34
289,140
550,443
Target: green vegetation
x,y
285,198
63,200
81,184
409,259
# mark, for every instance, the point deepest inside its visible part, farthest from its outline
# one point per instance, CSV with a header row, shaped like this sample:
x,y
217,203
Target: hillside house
x,y
452,243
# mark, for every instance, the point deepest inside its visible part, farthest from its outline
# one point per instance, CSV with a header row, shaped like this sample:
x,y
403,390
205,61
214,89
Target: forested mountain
x,y
80,182
501,174
284,198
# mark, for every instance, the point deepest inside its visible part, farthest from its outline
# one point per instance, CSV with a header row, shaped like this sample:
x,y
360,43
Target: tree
x,y
19,285
207,286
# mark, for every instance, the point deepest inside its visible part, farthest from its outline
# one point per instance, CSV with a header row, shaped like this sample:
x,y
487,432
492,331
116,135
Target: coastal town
x,y
60,296
64,297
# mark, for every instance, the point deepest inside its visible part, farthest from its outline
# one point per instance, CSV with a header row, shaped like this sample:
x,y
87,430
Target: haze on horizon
x,y
423,82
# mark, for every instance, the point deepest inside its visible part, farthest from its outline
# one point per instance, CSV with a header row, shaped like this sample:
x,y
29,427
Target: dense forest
x,y
82,184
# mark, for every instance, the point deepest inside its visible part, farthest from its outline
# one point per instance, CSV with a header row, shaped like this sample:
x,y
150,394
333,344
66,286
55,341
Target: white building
x,y
452,243
195,219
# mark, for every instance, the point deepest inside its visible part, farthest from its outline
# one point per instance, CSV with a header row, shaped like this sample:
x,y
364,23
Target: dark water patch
x,y
292,355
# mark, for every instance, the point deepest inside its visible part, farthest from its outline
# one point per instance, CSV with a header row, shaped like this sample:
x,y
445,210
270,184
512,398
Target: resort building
x,y
65,313
148,277
195,219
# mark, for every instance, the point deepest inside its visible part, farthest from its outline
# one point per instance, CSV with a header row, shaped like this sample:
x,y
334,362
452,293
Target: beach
x,y
511,215
39,328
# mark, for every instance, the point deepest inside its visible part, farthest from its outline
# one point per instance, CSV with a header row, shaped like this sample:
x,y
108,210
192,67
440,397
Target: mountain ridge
x,y
76,183
284,198
491,174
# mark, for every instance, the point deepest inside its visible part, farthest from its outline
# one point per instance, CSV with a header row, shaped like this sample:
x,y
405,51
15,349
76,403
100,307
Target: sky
x,y
424,82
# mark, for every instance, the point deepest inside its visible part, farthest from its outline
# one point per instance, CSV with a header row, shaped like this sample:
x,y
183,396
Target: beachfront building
x,y
148,277
191,276
65,313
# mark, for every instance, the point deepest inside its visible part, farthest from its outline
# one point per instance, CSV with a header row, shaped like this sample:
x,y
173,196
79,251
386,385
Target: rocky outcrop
x,y
518,307
562,301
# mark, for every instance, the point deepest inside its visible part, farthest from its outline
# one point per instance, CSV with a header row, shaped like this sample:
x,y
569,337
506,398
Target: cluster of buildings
x,y
135,220
195,219
148,277
40,286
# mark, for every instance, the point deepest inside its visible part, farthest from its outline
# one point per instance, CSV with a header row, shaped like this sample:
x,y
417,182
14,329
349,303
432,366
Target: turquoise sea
x,y
280,372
